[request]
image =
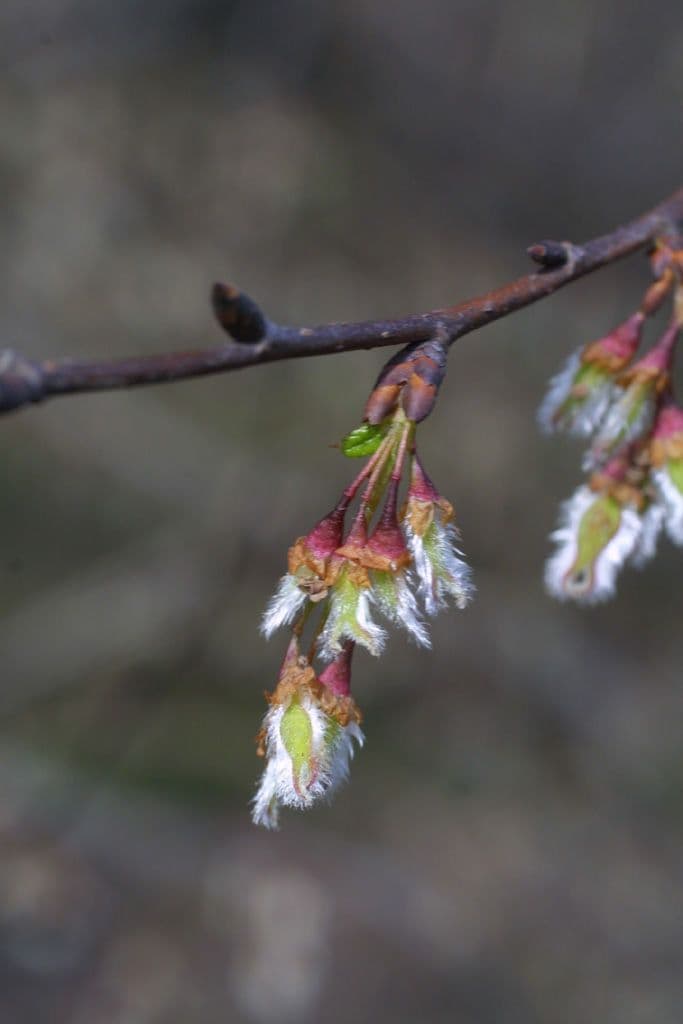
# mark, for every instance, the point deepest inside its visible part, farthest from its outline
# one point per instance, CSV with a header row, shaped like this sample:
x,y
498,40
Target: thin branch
x,y
256,340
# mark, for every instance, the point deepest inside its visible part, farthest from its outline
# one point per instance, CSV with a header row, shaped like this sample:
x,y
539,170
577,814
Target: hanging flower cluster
x,y
397,562
635,459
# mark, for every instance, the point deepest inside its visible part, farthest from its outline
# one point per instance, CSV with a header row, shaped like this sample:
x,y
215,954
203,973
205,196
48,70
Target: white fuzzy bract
x,y
584,414
323,768
672,500
283,607
645,548
601,584
265,805
441,571
349,618
394,597
630,417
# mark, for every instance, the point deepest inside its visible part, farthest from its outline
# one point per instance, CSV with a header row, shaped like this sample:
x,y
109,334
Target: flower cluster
x,y
635,459
397,561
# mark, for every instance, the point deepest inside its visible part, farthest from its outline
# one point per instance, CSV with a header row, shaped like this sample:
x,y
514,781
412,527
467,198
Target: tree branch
x,y
256,340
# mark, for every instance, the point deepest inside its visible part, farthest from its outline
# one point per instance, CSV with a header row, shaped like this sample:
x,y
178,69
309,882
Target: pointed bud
x,y
385,395
423,501
658,362
323,540
386,549
422,387
616,349
382,402
355,544
412,377
336,677
335,688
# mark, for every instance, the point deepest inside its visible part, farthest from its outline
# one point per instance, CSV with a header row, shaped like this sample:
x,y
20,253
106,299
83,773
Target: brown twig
x,y
256,340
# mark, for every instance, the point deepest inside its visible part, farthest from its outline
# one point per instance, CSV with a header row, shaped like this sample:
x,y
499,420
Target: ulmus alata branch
x,y
254,339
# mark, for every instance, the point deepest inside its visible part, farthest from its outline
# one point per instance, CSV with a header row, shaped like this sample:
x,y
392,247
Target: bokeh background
x,y
510,846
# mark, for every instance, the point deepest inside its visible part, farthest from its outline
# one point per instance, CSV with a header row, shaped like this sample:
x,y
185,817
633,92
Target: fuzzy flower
x,y
580,394
306,579
385,557
392,594
596,535
439,567
632,414
348,614
666,454
307,738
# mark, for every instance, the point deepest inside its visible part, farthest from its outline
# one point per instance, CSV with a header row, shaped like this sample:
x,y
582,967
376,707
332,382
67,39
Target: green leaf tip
x,y
364,440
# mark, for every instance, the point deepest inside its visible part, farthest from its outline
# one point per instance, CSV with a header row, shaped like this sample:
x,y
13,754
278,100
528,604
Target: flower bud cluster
x,y
635,459
395,562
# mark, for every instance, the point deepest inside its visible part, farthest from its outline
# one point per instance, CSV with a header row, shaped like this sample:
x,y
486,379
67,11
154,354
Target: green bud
x,y
296,732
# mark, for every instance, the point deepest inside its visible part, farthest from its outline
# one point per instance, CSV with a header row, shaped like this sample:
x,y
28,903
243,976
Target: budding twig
x,y
256,339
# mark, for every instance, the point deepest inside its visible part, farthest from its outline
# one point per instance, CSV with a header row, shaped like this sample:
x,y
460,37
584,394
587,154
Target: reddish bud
x,y
414,376
669,421
387,543
659,359
336,677
327,535
618,347
308,558
421,486
354,545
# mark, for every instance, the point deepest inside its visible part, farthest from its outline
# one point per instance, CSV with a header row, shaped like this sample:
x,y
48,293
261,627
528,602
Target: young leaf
x,y
364,440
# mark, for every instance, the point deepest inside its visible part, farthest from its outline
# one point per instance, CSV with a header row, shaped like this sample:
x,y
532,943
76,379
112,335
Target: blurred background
x,y
509,847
